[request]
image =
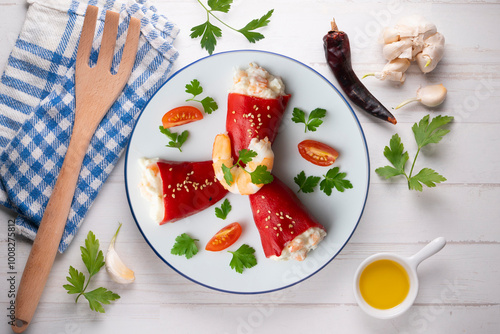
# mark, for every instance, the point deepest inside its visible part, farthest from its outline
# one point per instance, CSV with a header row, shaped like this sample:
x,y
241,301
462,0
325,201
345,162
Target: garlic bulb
x,y
413,38
430,96
115,267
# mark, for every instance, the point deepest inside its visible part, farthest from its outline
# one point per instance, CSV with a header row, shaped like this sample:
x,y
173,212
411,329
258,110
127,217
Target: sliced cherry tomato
x,y
181,115
224,238
317,153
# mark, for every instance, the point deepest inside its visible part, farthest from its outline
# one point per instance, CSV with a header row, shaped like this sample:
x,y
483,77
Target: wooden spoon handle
x,y
49,233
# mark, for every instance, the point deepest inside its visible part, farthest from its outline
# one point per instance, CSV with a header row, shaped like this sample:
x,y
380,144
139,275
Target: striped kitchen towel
x,y
37,104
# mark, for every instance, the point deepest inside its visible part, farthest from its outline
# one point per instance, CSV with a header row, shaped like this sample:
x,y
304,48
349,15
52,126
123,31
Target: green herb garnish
x,y
243,257
93,259
259,176
224,209
209,32
425,133
306,184
184,245
334,179
314,120
176,140
194,88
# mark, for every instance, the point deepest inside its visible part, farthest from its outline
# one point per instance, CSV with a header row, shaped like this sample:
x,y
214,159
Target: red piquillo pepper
x,y
338,56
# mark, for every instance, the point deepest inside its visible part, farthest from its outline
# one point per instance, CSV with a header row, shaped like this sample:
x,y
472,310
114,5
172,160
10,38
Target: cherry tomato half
x,y
317,153
181,115
224,238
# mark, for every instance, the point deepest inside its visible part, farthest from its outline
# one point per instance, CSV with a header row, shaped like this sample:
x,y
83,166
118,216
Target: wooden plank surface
x,y
459,287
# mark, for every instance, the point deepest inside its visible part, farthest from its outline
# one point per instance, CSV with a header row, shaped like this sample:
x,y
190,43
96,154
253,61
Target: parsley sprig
x,y
176,139
333,179
224,209
425,133
210,32
185,245
243,258
194,88
259,176
93,259
313,121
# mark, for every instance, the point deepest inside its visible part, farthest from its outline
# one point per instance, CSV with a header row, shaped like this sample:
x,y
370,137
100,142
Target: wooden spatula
x,y
96,89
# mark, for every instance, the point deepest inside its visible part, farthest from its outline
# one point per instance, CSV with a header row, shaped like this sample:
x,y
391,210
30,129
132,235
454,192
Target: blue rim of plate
x,y
360,214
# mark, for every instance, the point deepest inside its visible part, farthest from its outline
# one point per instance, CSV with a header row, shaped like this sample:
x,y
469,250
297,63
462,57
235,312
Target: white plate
x,y
339,213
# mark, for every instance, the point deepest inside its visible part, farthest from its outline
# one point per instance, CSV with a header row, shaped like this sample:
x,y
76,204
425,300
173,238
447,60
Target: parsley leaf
x,y
253,36
184,245
224,209
194,88
209,32
246,156
91,255
209,105
308,184
425,133
76,280
259,176
176,140
227,174
243,258
98,297
314,120
397,157
426,176
334,179
93,259
220,5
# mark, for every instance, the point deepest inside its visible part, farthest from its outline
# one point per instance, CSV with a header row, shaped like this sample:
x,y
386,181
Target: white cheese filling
x,y
301,245
256,81
151,189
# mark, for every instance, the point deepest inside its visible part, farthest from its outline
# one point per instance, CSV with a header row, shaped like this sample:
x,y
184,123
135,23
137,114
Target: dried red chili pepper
x,y
338,56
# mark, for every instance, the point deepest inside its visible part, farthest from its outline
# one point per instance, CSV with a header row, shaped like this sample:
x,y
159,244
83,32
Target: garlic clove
x,y
393,70
115,267
432,53
394,50
390,35
430,96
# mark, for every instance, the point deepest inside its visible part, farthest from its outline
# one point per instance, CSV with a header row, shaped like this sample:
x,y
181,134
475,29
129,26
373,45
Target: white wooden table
x,y
460,286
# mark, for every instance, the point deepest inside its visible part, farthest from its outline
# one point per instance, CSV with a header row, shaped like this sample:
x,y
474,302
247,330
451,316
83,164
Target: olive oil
x,y
384,284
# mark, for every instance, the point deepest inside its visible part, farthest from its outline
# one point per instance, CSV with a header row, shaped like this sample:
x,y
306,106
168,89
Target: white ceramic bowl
x,y
410,265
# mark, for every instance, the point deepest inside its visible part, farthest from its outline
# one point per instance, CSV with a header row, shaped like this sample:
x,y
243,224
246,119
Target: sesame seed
x,y
291,232
275,228
268,107
277,234
287,216
263,196
290,226
279,224
258,211
169,186
267,226
268,115
233,112
173,195
170,169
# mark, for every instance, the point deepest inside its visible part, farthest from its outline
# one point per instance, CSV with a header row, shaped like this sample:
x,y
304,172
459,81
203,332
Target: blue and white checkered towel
x,y
37,104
